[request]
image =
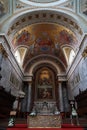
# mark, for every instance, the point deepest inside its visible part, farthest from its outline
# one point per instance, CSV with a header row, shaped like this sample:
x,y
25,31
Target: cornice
x,y
29,17
4,41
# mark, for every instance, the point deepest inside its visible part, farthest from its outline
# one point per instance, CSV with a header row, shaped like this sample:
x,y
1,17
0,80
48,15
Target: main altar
x,y
44,114
45,111
42,121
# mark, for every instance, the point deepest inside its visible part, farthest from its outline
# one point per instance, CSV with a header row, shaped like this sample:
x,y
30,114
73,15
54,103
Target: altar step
x,y
20,120
4,122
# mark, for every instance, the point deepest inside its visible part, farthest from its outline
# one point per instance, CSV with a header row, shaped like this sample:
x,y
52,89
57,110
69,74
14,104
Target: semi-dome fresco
x,y
44,38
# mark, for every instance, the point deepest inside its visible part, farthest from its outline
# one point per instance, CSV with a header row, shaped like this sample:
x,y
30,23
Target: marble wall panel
x,y
8,72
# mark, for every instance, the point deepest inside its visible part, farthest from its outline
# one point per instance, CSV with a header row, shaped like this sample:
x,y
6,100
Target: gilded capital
x,y
84,53
3,52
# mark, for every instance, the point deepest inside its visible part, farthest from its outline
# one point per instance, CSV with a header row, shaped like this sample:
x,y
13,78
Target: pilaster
x,y
29,94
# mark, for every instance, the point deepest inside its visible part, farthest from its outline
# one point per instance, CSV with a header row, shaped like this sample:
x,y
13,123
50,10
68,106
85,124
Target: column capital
x,y
60,81
61,77
28,78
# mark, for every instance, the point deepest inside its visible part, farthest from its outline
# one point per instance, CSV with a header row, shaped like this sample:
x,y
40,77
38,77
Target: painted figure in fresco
x,y
23,37
65,37
44,43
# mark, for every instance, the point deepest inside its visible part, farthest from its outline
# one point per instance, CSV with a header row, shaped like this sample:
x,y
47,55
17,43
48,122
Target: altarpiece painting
x,y
45,87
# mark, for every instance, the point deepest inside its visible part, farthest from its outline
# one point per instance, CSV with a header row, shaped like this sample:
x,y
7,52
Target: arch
x,y
72,19
45,79
42,65
67,49
51,63
71,56
43,3
25,46
19,53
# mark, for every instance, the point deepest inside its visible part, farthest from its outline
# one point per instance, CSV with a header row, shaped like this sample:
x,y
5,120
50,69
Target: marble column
x,y
60,97
29,96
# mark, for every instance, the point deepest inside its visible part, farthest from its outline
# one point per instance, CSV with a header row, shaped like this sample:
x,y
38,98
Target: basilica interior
x,y
43,57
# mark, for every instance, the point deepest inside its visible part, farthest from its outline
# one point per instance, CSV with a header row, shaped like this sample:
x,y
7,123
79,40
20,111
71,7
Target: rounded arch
x,y
43,3
42,65
19,53
55,66
45,85
66,50
45,79
68,19
68,46
69,53
44,59
24,46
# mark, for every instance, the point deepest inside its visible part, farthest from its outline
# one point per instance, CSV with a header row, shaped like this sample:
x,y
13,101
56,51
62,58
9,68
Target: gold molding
x,y
84,53
3,51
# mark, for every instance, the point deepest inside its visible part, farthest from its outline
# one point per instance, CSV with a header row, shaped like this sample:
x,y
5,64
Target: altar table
x,y
44,121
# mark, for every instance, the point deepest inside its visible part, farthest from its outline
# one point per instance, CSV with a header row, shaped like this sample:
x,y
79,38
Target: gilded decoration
x,y
84,54
46,16
3,52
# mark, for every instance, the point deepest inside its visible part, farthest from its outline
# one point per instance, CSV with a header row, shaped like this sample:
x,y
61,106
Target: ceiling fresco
x,y
44,32
46,39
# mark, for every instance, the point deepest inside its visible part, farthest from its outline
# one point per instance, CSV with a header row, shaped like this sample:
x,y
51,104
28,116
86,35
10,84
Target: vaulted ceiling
x,y
43,38
45,34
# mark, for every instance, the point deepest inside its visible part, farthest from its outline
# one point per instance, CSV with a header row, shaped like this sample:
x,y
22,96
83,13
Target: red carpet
x,y
64,127
70,126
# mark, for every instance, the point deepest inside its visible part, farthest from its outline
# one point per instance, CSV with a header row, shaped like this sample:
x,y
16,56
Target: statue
x,y
74,116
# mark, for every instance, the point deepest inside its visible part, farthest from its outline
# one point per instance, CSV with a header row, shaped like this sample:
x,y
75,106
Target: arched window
x,y
71,56
19,54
